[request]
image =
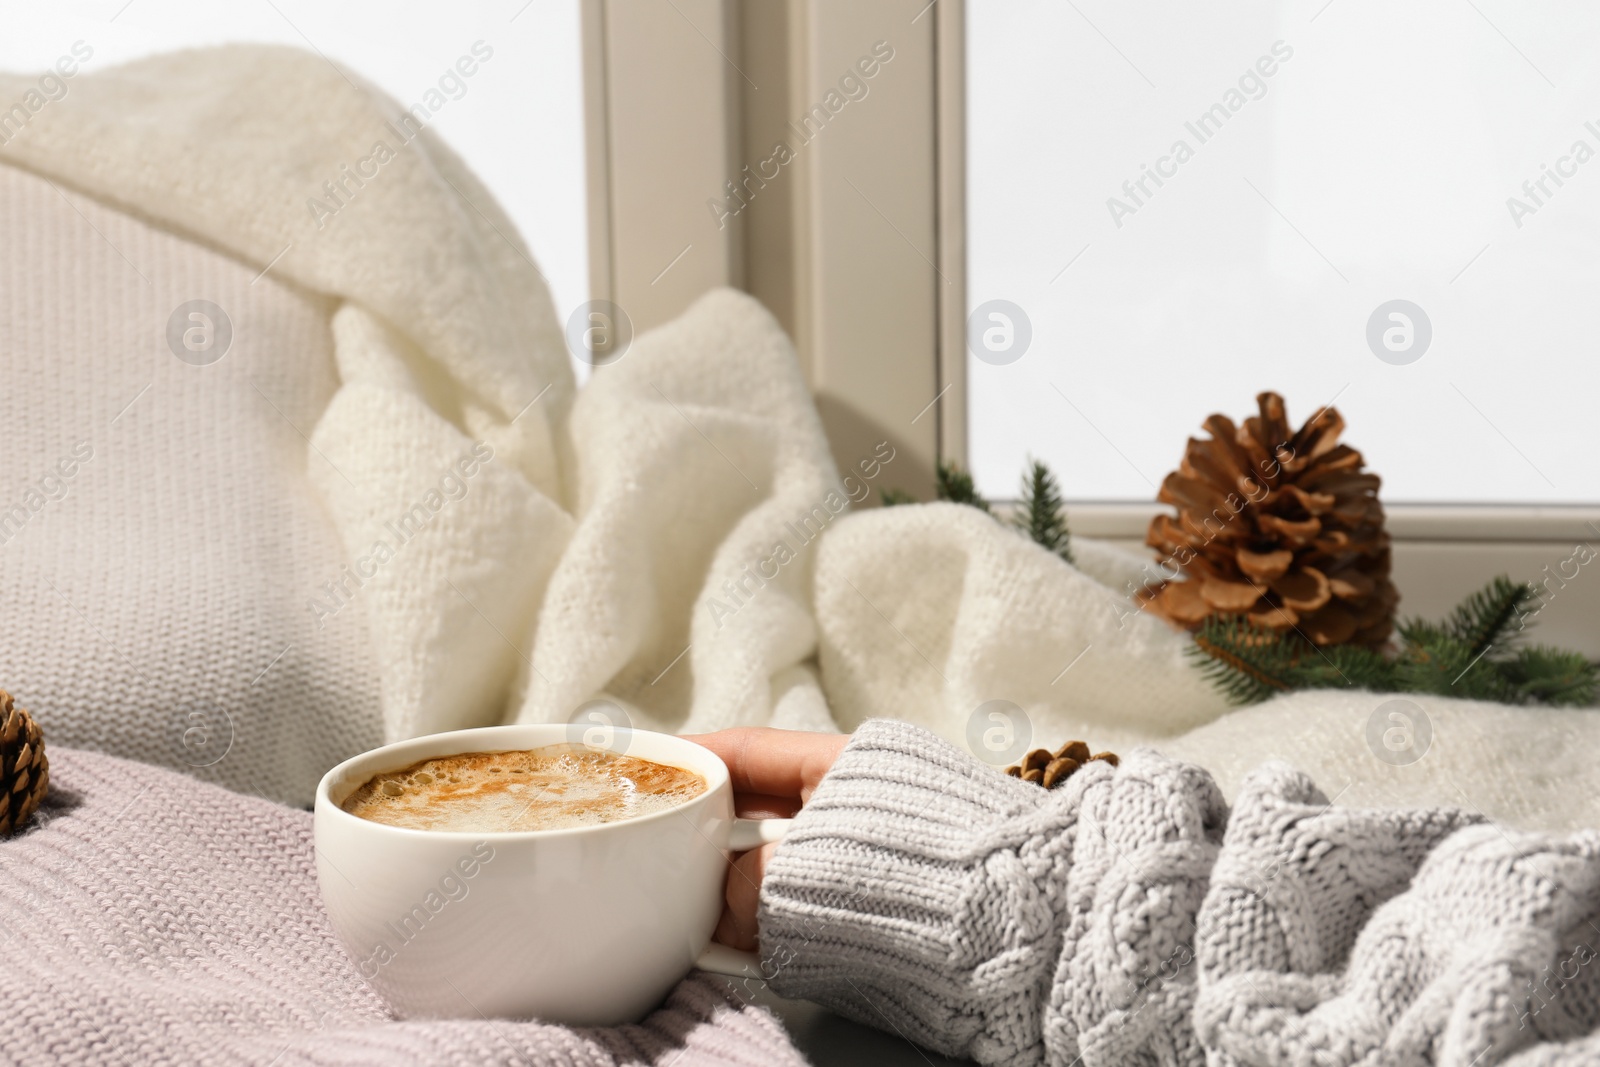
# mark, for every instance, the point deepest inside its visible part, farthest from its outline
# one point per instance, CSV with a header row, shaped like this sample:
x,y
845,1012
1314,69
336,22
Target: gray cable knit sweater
x,y
1129,918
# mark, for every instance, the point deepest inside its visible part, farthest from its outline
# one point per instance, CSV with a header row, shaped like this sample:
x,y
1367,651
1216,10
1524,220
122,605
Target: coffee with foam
x,y
553,788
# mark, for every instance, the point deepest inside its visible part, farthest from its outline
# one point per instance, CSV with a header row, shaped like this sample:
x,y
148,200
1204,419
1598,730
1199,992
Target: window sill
x,y
1481,524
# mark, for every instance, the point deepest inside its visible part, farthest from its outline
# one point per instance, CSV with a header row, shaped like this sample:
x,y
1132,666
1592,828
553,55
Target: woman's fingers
x,y
737,927
777,763
773,772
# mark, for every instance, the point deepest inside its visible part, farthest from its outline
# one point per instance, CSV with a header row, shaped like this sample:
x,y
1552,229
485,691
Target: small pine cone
x,y
1058,771
1074,750
24,770
1050,769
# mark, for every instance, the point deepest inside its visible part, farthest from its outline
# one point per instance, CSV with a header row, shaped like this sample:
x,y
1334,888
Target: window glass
x,y
1392,208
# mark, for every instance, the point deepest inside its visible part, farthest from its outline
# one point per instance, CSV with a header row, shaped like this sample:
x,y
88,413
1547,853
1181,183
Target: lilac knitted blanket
x,y
149,918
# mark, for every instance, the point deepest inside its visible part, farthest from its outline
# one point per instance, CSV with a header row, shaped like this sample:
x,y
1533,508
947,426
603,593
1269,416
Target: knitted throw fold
x,y
1128,917
150,918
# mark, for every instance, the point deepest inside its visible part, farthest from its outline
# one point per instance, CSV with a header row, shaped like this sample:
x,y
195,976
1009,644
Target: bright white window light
x,y
1394,208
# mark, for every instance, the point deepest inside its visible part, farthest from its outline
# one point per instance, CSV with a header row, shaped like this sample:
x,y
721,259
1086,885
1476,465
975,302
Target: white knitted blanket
x,y
674,537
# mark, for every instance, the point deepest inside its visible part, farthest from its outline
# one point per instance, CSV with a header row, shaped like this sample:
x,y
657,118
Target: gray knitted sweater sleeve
x,y
1128,917
922,891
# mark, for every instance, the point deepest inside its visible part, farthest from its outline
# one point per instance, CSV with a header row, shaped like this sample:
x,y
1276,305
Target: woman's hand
x,y
773,772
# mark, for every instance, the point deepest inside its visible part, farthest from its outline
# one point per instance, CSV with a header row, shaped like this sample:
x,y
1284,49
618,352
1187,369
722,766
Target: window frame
x,y
896,367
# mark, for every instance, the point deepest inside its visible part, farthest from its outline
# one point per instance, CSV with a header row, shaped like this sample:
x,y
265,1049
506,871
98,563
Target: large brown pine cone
x,y
24,770
1284,527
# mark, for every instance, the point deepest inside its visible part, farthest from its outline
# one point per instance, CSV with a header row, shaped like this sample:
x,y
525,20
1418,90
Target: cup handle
x,y
744,835
753,833
720,959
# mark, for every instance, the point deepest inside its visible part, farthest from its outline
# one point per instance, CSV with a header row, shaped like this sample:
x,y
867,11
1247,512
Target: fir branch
x,y
891,497
953,484
1343,667
1418,631
1435,661
1464,656
1247,662
956,486
1432,659
1553,676
1041,517
1482,619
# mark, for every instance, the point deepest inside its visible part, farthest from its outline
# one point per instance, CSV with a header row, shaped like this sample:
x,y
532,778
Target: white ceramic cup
x,y
589,926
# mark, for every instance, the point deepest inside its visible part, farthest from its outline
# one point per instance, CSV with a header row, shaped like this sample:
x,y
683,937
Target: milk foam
x,y
551,788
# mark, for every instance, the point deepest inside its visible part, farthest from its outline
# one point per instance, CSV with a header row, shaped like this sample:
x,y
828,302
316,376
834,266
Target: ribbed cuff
x,y
923,892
